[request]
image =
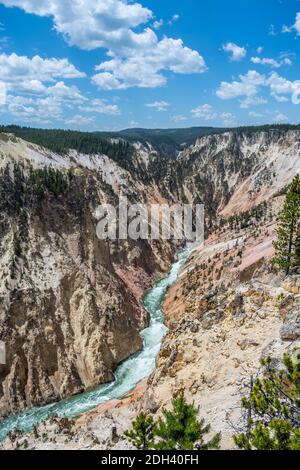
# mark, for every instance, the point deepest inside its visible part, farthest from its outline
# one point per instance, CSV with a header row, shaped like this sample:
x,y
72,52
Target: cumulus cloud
x,y
246,86
254,114
280,98
133,124
250,84
79,121
15,68
252,101
42,93
271,62
179,118
205,112
39,76
158,24
294,27
89,24
39,83
280,86
237,53
280,117
101,107
64,92
2,93
59,90
228,119
142,67
54,102
136,58
297,23
174,19
159,105
31,109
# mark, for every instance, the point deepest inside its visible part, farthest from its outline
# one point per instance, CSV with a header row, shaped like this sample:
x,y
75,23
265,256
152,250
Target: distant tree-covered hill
x,y
61,141
118,145
169,142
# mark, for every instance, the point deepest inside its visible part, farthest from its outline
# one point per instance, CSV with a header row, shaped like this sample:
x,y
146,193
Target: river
x,y
127,375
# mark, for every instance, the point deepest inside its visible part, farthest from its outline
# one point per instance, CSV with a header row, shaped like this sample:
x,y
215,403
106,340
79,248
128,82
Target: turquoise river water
x,y
127,375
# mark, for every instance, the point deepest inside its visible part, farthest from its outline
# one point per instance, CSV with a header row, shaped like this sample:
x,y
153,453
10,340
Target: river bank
x,y
130,373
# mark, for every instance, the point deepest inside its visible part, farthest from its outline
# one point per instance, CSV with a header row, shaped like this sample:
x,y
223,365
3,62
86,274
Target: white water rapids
x,y
127,375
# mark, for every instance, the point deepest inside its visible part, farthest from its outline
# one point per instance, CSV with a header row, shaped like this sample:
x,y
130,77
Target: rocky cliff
x,y
235,171
70,308
227,311
228,308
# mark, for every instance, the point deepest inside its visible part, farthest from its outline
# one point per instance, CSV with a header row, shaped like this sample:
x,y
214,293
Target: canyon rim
x,y
149,226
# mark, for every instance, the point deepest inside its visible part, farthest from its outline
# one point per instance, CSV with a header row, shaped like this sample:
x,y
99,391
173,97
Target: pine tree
x,y
142,434
288,233
17,246
181,430
297,247
272,411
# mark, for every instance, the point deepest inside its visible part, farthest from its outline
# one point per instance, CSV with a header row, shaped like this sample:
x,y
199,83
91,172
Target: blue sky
x,y
113,64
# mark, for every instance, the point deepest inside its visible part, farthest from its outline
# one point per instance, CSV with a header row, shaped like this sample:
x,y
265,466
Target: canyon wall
x,y
70,303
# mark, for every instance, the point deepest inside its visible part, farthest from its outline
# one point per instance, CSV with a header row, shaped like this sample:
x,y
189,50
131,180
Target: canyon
x,y
71,304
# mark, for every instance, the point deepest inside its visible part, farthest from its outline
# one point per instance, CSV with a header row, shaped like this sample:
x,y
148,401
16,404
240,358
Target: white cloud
x,y
15,68
32,109
158,24
136,58
297,23
89,24
271,62
174,19
287,29
246,86
294,27
159,105
179,118
101,107
60,90
255,115
259,50
280,118
228,119
204,111
287,61
280,98
2,93
142,67
281,86
264,61
133,124
207,112
38,100
250,84
237,52
53,104
64,92
37,81
79,121
252,101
